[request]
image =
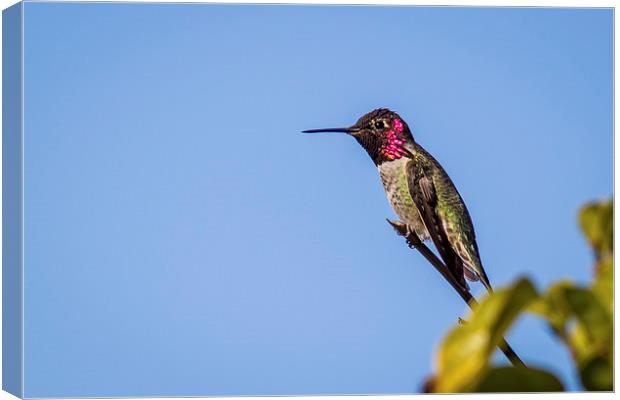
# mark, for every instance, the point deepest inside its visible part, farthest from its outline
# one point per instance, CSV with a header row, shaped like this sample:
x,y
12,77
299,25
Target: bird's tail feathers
x,y
471,274
487,284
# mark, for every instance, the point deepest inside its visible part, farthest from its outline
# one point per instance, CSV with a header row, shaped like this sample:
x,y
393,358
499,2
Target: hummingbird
x,y
420,192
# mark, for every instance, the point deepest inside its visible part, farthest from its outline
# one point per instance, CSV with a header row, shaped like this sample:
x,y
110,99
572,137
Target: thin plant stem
x,y
414,242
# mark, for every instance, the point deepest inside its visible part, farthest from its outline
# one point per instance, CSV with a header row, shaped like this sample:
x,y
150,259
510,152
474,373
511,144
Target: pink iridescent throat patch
x,y
395,140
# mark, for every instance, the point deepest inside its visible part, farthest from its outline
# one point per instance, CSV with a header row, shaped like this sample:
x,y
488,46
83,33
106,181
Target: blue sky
x,y
182,236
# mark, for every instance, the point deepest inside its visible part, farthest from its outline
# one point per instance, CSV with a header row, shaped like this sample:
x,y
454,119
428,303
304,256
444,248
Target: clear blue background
x,y
182,237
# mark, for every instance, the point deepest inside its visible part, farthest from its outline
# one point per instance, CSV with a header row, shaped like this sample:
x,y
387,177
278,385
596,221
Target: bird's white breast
x,y
394,180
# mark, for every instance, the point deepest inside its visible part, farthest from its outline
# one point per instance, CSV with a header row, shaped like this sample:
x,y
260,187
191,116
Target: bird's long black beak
x,y
344,130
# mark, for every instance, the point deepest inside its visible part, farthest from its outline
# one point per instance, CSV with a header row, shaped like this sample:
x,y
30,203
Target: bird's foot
x,y
402,229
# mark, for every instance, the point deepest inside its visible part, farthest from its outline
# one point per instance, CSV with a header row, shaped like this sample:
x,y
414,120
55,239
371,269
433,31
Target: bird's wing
x,y
422,191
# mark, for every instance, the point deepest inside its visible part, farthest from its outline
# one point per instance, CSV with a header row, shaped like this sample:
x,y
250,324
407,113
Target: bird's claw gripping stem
x,y
402,229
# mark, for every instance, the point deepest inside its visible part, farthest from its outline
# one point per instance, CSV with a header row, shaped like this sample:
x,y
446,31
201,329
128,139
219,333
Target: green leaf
x,y
590,338
466,350
597,374
553,306
591,314
603,284
518,379
596,220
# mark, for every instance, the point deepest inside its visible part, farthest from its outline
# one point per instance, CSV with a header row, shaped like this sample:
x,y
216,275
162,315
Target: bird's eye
x,y
379,124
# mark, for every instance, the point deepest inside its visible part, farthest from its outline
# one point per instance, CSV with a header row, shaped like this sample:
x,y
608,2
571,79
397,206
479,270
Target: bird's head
x,y
383,133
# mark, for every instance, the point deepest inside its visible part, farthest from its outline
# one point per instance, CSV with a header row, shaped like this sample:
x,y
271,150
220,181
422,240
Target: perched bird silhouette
x,y
420,191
